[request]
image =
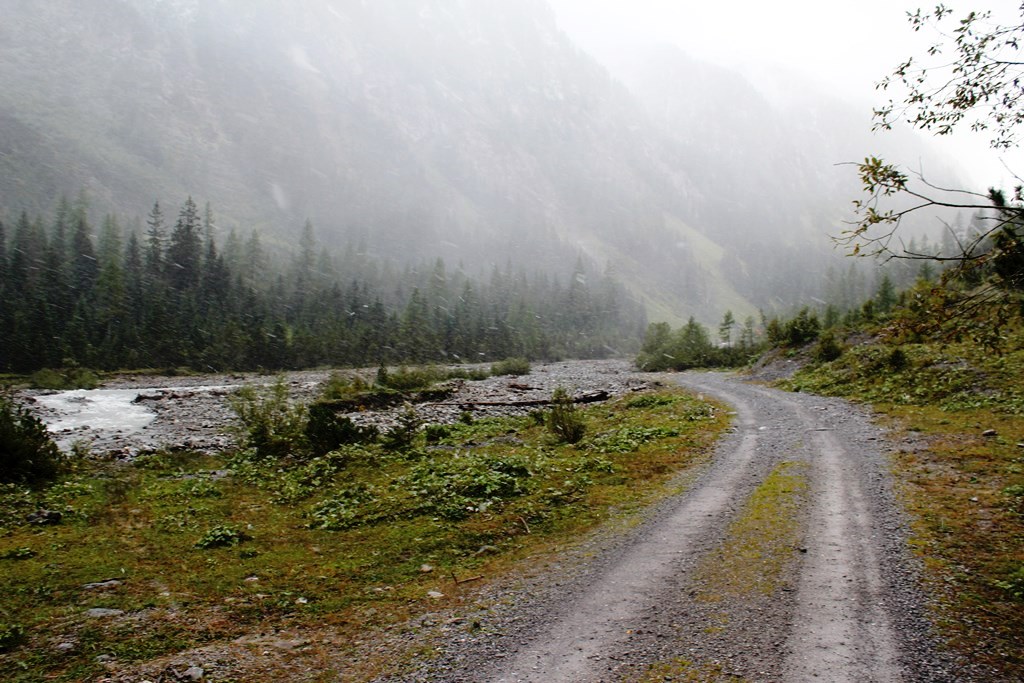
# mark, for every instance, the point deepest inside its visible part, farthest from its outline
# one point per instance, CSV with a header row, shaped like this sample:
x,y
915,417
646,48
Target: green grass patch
x,y
684,670
761,543
192,549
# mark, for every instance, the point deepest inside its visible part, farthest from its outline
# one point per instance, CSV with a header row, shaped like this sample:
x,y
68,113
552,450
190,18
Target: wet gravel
x,y
194,412
849,608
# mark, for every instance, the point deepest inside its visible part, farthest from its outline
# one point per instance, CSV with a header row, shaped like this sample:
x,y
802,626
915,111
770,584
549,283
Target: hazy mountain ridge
x,y
471,130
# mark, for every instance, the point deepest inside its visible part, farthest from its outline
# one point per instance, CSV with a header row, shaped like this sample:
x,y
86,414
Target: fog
x,y
695,151
843,48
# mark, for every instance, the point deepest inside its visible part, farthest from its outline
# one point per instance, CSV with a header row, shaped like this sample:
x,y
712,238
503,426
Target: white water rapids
x,y
107,414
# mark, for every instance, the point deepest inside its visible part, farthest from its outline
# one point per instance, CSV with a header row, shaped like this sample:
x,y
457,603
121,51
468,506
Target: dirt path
x,y
838,604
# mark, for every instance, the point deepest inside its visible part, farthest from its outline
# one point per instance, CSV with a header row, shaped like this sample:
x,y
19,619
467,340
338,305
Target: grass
x,y
760,543
963,488
205,549
684,670
963,491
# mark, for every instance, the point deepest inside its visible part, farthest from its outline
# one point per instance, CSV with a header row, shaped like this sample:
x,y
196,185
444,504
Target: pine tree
x,y
185,248
155,238
84,263
885,297
725,329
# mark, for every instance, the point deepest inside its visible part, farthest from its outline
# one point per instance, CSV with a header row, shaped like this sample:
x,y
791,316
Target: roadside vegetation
x,y
114,564
946,366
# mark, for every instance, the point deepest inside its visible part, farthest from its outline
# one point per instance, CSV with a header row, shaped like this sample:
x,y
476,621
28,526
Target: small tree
x,y
725,328
564,420
27,453
269,422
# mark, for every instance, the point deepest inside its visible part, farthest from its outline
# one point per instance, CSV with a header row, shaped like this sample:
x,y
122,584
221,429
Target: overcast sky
x,y
845,46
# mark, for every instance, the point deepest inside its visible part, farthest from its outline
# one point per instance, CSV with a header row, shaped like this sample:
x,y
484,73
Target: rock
x,y
104,659
103,613
426,568
44,517
65,647
989,432
193,673
105,584
487,550
435,595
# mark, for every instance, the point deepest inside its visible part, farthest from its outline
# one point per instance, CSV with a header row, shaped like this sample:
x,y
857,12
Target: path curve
x,y
851,611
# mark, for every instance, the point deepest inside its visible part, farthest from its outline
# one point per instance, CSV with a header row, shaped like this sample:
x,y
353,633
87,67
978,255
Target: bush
x,y
70,378
897,360
339,385
403,435
27,453
325,431
269,423
222,536
827,349
11,635
802,329
515,367
564,420
436,432
410,379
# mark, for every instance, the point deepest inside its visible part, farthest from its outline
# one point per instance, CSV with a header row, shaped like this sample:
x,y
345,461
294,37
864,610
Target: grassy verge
x,y
177,550
961,476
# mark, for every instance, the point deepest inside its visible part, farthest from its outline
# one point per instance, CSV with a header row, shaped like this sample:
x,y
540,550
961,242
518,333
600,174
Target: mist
x,y
695,156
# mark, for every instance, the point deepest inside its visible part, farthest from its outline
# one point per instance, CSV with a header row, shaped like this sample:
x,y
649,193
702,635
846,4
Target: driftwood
x,y
592,397
469,580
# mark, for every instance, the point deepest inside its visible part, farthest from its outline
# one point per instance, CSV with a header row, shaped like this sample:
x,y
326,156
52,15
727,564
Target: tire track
x,y
853,613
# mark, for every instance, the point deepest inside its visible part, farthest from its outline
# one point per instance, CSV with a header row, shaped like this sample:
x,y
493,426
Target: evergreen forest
x,y
169,295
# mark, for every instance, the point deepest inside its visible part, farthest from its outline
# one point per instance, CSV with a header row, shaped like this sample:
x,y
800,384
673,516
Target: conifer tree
x,y
184,248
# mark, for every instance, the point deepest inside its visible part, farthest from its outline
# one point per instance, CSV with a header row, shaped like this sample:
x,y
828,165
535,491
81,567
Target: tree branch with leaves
x,y
983,82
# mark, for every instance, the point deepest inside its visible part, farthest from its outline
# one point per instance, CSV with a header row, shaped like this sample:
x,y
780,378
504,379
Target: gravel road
x,y
844,606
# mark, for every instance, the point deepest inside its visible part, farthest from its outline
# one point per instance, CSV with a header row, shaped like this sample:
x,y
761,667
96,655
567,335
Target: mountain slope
x,y
474,131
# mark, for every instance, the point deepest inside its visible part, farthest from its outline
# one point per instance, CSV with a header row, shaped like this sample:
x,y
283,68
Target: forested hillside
x,y
475,132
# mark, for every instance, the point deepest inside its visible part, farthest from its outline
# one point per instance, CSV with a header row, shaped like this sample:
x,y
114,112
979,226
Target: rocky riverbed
x,y
137,414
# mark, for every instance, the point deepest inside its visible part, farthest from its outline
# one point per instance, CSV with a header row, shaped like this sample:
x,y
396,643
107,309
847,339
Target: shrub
x,y
515,367
339,385
70,378
325,430
827,349
651,401
344,510
222,536
402,436
802,329
27,453
564,421
11,635
410,379
269,423
436,432
1014,584
897,360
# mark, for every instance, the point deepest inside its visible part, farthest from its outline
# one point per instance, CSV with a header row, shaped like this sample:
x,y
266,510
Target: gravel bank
x,y
193,412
